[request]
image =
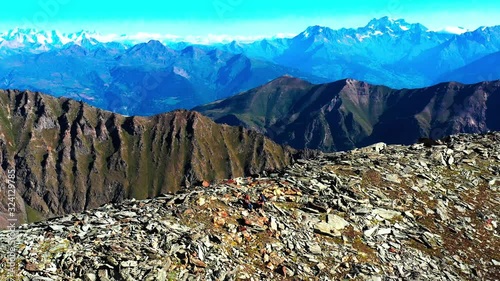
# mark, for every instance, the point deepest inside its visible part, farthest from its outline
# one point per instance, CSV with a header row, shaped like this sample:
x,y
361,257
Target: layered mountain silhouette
x,y
158,76
69,156
349,113
483,69
385,51
147,79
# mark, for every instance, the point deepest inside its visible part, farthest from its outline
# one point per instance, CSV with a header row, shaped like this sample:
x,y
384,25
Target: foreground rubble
x,y
377,213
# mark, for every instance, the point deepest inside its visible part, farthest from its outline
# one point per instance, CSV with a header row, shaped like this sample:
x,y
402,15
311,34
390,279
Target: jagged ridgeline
x,y
70,156
346,114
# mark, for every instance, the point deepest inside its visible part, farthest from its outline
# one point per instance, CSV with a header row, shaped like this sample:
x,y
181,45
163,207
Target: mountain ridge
x,y
43,38
69,156
348,113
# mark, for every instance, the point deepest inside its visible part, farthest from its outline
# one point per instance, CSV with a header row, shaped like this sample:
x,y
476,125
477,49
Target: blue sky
x,y
238,17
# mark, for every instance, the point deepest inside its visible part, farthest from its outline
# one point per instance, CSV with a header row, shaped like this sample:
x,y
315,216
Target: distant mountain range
x,y
385,52
113,73
346,114
146,79
34,40
484,69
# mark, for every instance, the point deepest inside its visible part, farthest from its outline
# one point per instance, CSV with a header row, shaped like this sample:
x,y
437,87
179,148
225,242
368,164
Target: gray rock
x,y
336,222
314,248
369,232
386,214
384,231
393,178
128,263
377,225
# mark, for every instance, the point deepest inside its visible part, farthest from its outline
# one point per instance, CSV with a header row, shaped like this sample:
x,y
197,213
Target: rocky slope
x,y
349,113
421,212
69,156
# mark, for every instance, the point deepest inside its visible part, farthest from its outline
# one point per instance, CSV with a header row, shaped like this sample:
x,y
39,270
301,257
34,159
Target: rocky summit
x,y
428,211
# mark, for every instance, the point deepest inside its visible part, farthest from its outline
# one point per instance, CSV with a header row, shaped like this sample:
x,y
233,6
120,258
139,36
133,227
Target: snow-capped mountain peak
x,y
317,32
453,30
393,26
384,26
38,39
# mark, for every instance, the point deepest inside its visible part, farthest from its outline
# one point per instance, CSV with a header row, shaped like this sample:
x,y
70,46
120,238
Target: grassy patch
x,y
33,215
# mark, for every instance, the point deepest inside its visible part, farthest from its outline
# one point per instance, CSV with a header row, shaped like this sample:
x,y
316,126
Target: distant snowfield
x,y
53,37
453,30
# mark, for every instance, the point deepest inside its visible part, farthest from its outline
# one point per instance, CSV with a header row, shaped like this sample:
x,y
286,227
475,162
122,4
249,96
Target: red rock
x,y
198,263
223,214
206,184
283,270
31,267
218,221
262,221
247,236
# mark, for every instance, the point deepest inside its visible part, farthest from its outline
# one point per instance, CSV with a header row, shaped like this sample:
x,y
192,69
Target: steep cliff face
x,y
349,113
70,156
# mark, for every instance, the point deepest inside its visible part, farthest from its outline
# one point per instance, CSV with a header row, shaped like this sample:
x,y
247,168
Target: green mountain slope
x,y
349,113
70,156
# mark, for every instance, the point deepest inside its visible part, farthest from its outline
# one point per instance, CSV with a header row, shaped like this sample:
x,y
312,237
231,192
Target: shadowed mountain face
x,y
348,113
69,156
484,69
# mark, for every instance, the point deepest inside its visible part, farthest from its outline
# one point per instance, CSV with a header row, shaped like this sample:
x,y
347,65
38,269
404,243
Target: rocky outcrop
x,y
420,212
69,156
346,114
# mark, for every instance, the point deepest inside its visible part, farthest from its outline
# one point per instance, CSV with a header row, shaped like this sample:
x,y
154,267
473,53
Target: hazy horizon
x,y
238,17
